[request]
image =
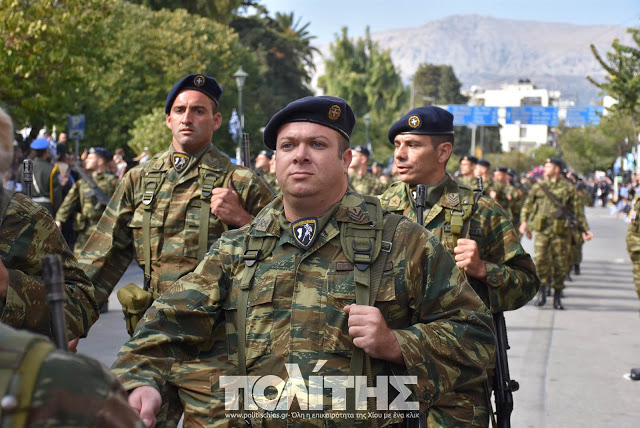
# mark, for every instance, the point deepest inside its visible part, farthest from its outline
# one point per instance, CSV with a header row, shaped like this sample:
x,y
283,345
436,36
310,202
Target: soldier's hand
x,y
467,257
4,281
59,224
73,345
225,204
370,332
587,236
146,401
523,228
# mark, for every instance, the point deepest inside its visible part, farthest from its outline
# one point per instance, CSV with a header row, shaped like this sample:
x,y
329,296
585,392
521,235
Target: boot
x,y
105,308
548,289
576,269
557,303
542,296
569,277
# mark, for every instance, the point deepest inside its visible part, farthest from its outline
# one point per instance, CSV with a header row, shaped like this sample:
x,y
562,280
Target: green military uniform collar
x,y
445,194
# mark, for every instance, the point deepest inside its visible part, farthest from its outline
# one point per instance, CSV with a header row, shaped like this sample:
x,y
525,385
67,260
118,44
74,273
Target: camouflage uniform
x,y
82,201
68,389
271,181
633,245
552,234
295,310
174,233
367,184
577,241
511,274
503,194
27,234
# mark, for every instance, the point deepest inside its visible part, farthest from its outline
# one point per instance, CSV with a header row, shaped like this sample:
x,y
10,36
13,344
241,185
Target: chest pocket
x,y
259,322
155,235
192,228
341,292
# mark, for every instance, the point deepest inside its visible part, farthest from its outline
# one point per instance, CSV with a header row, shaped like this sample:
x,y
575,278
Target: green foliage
x,y
542,153
221,11
150,130
364,75
520,162
436,84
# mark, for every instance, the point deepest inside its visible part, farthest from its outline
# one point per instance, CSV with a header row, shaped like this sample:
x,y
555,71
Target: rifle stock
x,y
27,175
53,277
421,195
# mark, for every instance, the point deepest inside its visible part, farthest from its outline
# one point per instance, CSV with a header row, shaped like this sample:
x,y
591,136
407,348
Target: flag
x,y
234,126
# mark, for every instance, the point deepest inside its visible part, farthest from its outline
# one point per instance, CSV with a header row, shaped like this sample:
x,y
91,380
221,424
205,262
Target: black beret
x,y
361,149
378,164
332,112
502,169
267,153
555,161
428,120
197,82
471,159
511,172
102,152
483,162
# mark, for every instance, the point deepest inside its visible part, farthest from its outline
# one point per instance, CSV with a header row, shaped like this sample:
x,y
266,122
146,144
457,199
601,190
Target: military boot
x,y
576,269
557,303
542,296
548,289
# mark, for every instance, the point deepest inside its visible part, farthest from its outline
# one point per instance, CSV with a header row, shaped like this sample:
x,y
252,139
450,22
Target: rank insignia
x,y
453,199
394,202
199,80
263,224
305,231
180,161
414,122
356,214
334,112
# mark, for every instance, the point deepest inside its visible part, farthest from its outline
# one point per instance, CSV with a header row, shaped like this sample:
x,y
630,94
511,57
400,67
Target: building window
x,y
531,101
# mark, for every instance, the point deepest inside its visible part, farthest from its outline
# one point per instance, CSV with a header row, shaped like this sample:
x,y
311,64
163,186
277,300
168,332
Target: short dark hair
x,y
436,140
343,145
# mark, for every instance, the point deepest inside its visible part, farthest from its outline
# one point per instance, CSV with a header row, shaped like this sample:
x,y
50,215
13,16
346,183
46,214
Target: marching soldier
x,y
286,286
263,169
360,179
82,200
501,192
467,170
167,212
46,190
549,209
476,231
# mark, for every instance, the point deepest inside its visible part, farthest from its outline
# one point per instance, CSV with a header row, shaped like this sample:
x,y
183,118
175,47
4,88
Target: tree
x,y
222,11
436,84
364,75
622,81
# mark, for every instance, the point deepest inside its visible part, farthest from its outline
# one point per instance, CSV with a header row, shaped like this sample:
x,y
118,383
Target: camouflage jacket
x,y
367,184
295,310
27,234
175,220
543,216
81,200
633,234
70,390
511,275
271,181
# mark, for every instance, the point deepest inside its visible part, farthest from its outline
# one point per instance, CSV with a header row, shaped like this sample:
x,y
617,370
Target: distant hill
x,y
488,52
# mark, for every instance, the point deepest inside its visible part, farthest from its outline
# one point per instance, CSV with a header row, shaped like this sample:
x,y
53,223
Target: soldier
x,y
167,212
467,171
360,179
479,235
518,193
82,199
286,285
633,245
263,169
27,234
46,189
542,213
48,387
501,193
482,170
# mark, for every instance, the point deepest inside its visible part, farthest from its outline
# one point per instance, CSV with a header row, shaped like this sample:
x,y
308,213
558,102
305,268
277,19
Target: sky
x,y
327,17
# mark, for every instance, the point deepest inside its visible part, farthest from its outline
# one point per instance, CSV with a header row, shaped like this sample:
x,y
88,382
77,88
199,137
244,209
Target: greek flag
x,y
234,126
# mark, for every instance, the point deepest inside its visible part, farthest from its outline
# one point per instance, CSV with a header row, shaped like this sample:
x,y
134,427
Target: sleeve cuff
x,y
495,276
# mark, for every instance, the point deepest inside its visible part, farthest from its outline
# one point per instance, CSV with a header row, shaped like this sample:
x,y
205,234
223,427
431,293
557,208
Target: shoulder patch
x,y
453,198
263,224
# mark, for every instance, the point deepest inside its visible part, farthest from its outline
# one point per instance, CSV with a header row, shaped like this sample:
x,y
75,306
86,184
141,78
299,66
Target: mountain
x,y
489,52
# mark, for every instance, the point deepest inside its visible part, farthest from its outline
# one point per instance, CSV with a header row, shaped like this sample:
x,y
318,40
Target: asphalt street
x,y
572,365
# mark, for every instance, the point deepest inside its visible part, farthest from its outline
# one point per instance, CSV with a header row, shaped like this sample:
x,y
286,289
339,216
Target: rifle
x,y
503,385
97,192
53,277
421,195
246,151
562,211
27,175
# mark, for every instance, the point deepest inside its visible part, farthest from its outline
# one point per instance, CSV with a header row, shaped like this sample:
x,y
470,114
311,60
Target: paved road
x,y
570,364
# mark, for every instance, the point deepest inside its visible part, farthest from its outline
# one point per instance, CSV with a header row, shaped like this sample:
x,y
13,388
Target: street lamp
x,y
367,122
240,77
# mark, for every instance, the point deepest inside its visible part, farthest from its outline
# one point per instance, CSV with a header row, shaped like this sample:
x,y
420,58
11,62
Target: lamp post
x,y
240,77
367,122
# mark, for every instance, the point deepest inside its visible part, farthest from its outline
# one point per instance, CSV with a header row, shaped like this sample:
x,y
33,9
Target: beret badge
x,y
198,80
334,112
414,122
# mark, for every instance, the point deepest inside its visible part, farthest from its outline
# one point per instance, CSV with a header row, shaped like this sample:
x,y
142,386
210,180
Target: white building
x,y
518,137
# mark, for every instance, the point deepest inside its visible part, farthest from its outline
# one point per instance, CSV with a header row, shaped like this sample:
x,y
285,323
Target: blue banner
x,y
583,116
532,115
478,115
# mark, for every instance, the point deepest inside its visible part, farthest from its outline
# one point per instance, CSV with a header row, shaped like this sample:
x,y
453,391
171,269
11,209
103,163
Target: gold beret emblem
x,y
414,122
198,80
334,112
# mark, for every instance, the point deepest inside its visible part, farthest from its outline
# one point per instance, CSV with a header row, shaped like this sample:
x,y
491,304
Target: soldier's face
x,y
91,162
357,159
262,161
417,161
551,170
480,170
466,167
192,121
308,164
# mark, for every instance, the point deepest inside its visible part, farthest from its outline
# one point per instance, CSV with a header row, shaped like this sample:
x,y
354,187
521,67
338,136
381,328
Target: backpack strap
x,y
459,220
21,356
150,185
55,169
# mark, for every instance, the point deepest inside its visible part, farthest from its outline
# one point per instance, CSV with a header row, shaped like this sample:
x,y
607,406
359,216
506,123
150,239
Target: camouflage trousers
x,y
550,255
463,408
636,276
